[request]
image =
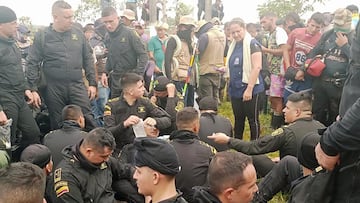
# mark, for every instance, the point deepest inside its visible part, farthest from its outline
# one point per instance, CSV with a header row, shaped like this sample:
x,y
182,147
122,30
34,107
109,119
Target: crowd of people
x,y
121,107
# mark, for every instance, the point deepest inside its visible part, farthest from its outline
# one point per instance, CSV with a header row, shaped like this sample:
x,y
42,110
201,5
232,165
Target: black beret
x,y
37,154
7,15
306,152
160,83
208,103
156,154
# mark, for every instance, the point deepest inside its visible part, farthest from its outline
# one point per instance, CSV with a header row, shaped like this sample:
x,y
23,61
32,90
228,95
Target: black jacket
x,y
126,53
337,58
57,140
63,57
117,110
203,195
77,180
177,199
195,157
352,84
343,137
12,80
213,123
285,139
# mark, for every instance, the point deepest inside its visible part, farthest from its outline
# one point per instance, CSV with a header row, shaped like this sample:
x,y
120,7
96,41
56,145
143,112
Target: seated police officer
x,y
289,169
167,97
156,166
22,182
40,155
70,132
231,178
286,139
88,173
121,113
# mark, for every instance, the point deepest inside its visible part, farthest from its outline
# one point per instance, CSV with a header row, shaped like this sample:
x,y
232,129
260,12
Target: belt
x,y
334,80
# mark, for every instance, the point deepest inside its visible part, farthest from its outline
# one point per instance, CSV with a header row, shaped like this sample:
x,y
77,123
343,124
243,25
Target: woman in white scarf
x,y
244,65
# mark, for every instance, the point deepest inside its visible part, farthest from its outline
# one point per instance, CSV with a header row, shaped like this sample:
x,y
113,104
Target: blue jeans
x,y
98,104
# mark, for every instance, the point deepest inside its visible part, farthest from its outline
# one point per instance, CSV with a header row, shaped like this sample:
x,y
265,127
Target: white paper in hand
x,y
139,129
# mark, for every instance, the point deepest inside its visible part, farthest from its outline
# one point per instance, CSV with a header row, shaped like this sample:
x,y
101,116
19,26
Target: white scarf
x,y
247,65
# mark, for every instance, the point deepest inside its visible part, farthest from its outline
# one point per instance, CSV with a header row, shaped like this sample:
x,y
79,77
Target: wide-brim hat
x,y
129,14
161,25
342,20
187,20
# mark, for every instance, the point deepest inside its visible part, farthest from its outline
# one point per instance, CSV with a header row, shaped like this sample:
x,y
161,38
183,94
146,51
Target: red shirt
x,y
302,43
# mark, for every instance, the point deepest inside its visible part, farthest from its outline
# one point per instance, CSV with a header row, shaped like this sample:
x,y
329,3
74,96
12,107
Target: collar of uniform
x,y
183,135
7,40
301,119
84,163
119,28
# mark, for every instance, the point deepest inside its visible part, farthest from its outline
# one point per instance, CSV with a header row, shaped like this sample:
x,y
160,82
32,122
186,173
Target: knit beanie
x,y
156,154
7,15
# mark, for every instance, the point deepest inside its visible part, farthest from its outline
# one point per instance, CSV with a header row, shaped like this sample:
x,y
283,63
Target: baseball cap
x,y
156,154
160,83
37,154
342,20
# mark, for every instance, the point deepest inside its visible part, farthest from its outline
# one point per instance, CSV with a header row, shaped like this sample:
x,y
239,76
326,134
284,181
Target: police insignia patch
x,y
57,175
141,109
74,37
103,166
61,188
277,132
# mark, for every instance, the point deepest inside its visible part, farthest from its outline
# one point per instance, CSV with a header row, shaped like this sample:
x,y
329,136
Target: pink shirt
x,y
302,43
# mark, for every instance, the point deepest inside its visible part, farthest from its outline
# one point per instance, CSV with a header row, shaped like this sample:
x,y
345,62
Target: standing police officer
x,y
63,52
127,53
12,89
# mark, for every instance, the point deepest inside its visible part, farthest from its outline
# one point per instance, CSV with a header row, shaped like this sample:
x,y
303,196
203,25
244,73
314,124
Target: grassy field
x,y
225,109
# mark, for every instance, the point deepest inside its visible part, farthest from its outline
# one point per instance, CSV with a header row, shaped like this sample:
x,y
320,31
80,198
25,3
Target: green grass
x,y
225,109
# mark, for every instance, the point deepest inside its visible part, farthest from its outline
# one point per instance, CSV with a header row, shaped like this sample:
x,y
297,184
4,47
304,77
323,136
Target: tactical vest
x,y
181,60
213,55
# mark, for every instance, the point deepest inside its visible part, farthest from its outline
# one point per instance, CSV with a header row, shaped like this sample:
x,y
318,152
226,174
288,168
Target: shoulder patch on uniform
x,y
107,110
114,99
57,175
212,149
277,132
61,188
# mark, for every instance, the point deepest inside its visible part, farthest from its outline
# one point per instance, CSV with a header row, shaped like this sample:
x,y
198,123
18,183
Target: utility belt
x,y
337,79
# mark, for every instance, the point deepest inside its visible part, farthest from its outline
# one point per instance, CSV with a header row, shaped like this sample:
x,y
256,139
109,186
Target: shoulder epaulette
x,y
114,99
